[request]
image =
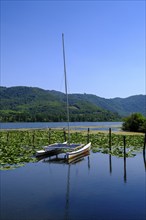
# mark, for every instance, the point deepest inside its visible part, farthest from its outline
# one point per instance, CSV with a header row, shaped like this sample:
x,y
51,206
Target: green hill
x,y
124,106
34,104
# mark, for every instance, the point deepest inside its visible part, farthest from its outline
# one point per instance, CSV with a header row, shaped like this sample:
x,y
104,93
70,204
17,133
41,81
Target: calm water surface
x,y
97,187
73,125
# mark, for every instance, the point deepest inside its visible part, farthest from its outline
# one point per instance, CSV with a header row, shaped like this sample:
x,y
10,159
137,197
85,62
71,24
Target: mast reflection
x,y
62,160
67,194
73,161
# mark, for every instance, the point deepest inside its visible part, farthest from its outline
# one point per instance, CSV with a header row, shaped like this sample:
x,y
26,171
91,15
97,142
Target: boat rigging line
x,y
67,104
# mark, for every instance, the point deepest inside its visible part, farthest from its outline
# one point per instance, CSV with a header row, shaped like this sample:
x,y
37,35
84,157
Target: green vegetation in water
x,y
19,146
100,143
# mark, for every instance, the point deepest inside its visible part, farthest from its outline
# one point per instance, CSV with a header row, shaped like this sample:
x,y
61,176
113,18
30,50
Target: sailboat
x,y
74,150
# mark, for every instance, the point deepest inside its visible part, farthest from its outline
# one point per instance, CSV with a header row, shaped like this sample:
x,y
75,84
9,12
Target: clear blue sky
x,y
104,44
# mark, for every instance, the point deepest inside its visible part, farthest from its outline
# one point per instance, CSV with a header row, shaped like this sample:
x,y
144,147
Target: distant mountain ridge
x,y
123,106
23,103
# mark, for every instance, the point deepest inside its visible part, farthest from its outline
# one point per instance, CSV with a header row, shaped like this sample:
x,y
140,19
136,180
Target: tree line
x,y
15,116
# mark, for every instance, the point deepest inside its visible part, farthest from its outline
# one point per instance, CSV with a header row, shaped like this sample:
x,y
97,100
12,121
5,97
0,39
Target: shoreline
x,y
80,130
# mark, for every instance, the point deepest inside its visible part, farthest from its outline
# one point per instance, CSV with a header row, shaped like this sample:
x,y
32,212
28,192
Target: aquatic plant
x,y
19,146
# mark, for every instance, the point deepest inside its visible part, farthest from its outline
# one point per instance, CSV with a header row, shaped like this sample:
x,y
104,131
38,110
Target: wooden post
x,y
144,154
7,138
28,140
124,140
88,138
110,138
21,136
144,146
49,135
33,136
110,144
144,159
64,133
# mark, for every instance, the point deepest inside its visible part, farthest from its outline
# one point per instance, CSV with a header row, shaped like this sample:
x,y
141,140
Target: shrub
x,y
135,122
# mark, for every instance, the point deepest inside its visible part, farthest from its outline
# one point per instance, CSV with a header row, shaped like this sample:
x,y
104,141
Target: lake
x,y
98,186
73,125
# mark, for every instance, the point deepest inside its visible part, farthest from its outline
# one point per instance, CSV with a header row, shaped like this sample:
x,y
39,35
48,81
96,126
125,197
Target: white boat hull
x,y
81,151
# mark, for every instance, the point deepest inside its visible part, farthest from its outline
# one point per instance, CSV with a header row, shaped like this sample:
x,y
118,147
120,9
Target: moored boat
x,y
56,148
59,147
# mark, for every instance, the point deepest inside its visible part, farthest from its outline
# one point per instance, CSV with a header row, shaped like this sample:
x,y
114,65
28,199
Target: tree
x,y
143,127
135,122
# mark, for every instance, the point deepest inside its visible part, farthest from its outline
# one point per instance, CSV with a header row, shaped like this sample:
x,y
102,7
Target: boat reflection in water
x,y
72,181
82,188
61,159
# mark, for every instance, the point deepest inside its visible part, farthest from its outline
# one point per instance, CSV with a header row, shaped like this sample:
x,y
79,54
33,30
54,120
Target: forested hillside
x,y
35,104
124,106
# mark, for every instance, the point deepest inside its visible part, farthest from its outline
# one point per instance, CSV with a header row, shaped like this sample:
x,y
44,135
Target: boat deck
x,y
62,146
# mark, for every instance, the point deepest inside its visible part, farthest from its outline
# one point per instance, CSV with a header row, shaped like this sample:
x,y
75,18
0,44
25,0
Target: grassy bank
x,y
19,146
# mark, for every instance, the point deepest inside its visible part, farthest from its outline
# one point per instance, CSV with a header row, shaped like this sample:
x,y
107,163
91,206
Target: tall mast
x,y
66,88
